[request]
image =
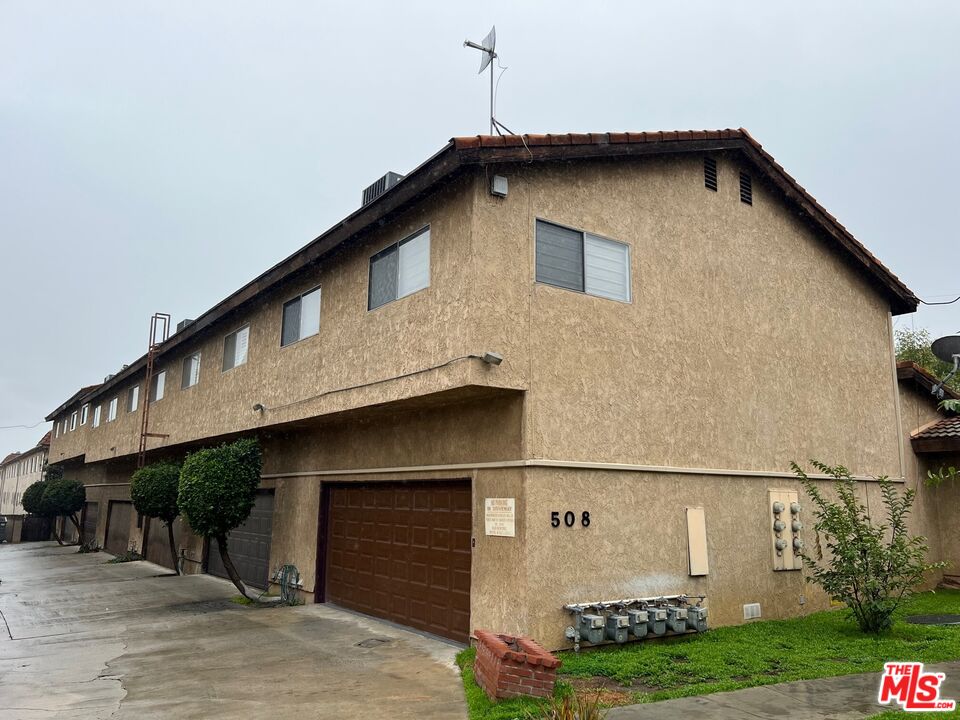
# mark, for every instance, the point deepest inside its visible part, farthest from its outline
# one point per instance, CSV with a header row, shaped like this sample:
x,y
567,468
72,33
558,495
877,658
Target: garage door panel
x,y
402,551
249,545
119,518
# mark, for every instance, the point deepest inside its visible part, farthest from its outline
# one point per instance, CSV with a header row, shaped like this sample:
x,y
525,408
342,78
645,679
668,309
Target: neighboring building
x,y
18,471
678,321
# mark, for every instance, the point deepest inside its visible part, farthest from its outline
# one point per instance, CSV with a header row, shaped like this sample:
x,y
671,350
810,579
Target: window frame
x,y
84,414
199,356
246,357
395,247
74,417
155,382
133,392
583,260
97,415
283,307
112,408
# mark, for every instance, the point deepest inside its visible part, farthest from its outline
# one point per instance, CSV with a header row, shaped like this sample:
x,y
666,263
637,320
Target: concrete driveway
x,y
83,639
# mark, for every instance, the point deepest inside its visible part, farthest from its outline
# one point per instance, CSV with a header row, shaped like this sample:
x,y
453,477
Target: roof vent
x,y
183,324
380,187
746,189
710,173
108,378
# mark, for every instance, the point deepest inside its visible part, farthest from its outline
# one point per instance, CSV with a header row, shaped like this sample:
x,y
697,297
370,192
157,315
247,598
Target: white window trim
x,y
426,229
73,420
97,415
112,409
84,414
193,382
584,234
136,399
246,357
300,297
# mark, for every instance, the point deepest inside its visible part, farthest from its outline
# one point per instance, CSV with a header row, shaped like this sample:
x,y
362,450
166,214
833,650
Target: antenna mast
x,y
487,47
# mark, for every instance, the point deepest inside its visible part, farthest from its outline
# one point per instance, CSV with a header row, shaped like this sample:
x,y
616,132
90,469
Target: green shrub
x,y
217,492
32,500
868,567
154,489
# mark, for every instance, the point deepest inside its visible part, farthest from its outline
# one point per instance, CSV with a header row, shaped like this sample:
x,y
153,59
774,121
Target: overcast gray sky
x,y
155,156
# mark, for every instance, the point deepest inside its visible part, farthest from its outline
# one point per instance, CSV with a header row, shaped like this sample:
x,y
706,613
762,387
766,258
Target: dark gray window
x,y
579,261
301,317
559,256
400,270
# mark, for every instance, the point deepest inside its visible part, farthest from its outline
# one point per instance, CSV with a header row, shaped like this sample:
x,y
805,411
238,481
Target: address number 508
x,y
569,518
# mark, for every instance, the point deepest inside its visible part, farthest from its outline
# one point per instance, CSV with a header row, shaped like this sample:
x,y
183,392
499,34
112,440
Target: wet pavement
x,y
80,638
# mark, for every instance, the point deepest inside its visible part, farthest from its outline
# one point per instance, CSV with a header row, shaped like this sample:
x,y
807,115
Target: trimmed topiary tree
x,y
65,498
217,491
154,490
33,504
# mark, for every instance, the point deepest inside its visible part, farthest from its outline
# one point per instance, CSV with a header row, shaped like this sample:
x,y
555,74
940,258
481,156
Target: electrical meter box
x,y
657,620
591,628
697,619
617,628
677,618
638,623
783,516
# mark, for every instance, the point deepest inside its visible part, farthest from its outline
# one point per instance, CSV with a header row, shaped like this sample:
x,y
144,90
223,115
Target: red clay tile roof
x,y
9,457
45,440
481,150
76,397
943,436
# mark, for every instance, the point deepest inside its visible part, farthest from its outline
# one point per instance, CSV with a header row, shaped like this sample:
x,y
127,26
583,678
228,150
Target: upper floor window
x,y
577,260
158,385
96,415
84,412
133,398
235,347
56,430
112,410
190,375
301,318
399,270
73,420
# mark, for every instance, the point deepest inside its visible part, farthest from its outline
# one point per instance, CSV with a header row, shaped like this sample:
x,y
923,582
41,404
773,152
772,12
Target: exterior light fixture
x,y
259,408
492,358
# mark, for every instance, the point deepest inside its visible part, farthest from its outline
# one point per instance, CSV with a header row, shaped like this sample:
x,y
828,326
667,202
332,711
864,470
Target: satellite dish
x,y
489,44
946,348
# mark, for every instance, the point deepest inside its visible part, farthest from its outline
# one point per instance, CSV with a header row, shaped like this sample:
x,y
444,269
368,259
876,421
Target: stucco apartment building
x,y
677,321
18,471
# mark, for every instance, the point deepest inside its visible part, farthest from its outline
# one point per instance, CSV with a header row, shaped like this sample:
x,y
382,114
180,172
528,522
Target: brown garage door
x,y
88,523
401,551
119,516
249,545
158,542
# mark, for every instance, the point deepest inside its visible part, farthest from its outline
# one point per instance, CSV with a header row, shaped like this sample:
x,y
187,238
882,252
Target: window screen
x,y
606,268
158,385
559,256
400,270
191,371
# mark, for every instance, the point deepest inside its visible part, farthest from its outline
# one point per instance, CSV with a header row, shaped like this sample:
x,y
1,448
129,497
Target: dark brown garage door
x,y
89,522
401,551
120,514
158,542
249,545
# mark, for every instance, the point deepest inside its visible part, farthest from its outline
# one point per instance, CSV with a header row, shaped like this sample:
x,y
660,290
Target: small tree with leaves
x,y
915,346
217,492
154,490
867,566
65,498
33,504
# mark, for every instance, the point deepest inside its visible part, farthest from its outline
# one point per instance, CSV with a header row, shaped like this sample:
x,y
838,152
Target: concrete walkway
x,y
83,639
850,697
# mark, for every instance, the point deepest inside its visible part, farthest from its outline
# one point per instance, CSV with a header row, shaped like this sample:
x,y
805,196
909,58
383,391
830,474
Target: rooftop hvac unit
x,y
380,187
184,324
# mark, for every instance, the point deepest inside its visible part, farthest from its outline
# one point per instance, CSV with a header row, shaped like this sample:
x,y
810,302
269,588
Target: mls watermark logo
x,y
913,689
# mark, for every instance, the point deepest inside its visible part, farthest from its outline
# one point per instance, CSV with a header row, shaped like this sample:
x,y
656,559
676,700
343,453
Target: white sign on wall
x,y
500,516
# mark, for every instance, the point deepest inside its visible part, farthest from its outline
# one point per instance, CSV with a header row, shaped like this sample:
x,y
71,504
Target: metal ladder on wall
x,y
159,332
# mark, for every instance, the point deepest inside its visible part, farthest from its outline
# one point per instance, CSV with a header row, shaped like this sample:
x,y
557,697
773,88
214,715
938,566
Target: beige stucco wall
x,y
17,475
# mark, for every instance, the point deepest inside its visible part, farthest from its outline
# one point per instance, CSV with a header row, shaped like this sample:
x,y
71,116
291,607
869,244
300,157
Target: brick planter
x,y
508,666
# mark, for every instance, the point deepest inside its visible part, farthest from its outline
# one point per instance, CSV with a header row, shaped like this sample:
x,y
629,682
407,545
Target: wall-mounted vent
x,y
380,187
184,324
746,189
751,611
710,173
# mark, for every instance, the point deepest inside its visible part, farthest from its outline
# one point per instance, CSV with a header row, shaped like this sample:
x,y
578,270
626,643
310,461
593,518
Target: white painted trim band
x,y
569,464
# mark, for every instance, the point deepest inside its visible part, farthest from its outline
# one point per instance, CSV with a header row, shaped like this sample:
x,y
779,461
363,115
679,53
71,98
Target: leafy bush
x,y
55,497
32,500
154,491
217,491
868,567
914,345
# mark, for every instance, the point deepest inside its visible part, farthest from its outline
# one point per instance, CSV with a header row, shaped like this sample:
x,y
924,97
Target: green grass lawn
x,y
819,645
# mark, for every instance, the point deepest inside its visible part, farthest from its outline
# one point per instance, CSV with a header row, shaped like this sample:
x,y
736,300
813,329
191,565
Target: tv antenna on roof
x,y
947,349
488,48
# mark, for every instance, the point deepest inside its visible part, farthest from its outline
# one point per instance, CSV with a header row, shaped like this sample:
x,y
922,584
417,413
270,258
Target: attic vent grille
x,y
710,173
746,189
